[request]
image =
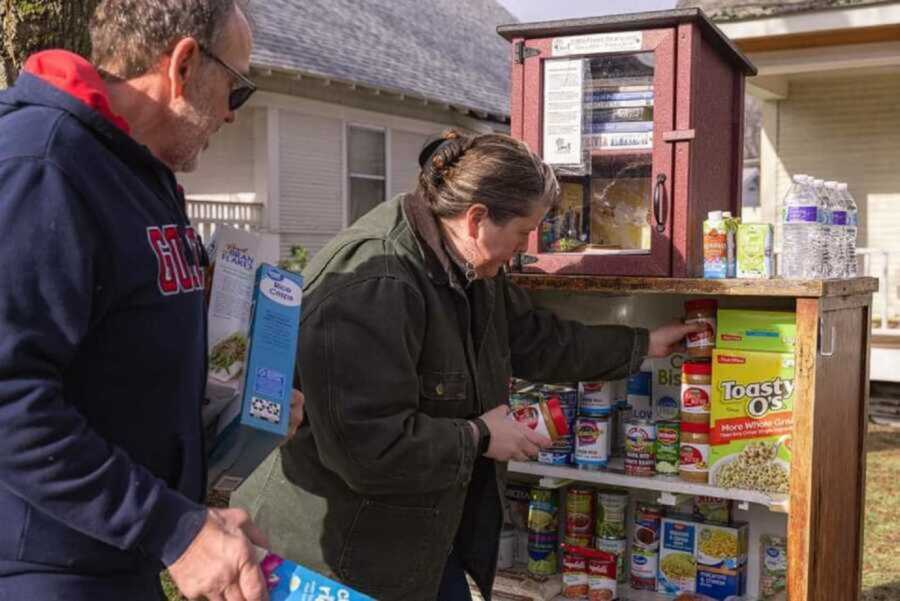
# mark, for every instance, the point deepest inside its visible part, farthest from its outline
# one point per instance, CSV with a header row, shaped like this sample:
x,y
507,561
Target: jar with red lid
x,y
702,311
696,388
693,460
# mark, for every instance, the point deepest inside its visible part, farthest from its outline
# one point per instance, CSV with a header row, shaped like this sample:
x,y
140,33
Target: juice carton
x,y
722,560
773,331
288,581
751,420
252,425
715,246
755,258
666,387
677,556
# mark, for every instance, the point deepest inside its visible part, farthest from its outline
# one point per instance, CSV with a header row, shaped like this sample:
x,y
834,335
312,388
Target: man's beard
x,y
195,125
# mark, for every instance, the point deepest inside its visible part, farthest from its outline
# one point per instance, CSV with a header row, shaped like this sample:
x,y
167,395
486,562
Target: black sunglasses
x,y
239,95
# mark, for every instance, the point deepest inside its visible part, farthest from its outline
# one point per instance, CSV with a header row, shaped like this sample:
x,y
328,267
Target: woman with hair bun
x,y
410,334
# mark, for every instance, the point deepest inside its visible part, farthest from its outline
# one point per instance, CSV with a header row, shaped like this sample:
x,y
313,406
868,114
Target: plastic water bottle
x,y
826,235
836,249
850,231
801,251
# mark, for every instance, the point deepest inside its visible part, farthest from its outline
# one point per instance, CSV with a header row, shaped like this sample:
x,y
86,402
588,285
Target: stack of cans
x,y
543,532
611,510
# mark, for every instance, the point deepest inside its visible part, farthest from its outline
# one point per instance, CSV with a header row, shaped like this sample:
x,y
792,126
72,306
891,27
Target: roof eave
x,y
476,112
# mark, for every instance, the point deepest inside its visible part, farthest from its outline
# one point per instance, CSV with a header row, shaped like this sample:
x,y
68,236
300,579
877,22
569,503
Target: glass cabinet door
x,y
601,119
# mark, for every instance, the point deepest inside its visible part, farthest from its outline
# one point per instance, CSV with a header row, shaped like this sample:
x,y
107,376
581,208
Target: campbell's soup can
x,y
574,576
640,448
592,442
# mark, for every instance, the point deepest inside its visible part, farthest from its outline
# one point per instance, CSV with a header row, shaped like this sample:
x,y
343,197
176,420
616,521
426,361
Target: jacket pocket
x,y
387,546
443,393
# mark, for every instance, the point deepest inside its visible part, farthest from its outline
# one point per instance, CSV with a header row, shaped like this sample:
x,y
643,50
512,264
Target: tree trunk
x,y
27,26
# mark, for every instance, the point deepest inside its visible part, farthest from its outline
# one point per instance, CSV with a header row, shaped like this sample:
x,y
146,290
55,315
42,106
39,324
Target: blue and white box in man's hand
x,y
257,422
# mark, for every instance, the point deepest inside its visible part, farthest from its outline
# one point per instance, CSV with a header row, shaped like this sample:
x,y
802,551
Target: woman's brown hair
x,y
495,170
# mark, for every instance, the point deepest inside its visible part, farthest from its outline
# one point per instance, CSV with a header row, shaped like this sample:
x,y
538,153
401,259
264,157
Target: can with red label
x,y
546,418
579,516
647,520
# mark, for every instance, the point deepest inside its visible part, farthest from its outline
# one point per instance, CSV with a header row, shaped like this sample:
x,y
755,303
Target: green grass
x,y
881,559
881,553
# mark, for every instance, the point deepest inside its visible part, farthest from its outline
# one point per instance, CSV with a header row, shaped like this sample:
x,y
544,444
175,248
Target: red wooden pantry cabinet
x,y
642,118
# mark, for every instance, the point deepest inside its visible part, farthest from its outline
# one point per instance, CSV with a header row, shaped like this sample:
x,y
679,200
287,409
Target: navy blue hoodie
x,y
102,347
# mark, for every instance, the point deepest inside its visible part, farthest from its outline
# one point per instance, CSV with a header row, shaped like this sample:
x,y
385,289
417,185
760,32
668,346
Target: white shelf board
x,y
614,476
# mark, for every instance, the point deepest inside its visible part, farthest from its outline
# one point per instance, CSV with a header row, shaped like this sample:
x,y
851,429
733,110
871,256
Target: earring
x,y
471,274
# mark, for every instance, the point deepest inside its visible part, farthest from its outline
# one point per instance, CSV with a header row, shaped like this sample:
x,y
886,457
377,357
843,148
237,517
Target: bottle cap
x,y
697,368
694,428
560,423
703,304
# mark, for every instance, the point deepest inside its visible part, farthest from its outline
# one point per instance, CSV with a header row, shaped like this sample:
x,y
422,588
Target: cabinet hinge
x,y
521,52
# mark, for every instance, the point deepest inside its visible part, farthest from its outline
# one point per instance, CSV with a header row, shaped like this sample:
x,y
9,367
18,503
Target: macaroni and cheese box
x,y
772,331
677,572
254,423
722,553
751,420
288,581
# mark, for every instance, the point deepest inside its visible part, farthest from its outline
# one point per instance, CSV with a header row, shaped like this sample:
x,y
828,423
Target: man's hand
x,y
296,412
220,564
510,439
670,339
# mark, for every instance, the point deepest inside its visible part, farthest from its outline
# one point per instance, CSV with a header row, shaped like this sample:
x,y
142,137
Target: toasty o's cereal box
x,y
751,420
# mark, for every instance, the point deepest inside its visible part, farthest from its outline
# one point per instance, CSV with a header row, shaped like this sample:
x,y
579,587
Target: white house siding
x,y
405,148
310,179
226,167
847,128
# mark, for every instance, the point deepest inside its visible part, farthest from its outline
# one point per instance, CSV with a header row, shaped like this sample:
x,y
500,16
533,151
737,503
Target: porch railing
x,y
206,215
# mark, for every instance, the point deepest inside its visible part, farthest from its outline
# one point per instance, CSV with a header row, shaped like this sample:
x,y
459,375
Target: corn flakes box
x,y
752,412
770,331
722,553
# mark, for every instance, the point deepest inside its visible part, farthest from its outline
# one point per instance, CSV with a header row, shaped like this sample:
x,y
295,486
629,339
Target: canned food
x,y
523,399
545,418
579,514
542,563
574,576
647,520
617,547
640,451
552,457
602,579
543,511
668,439
596,399
643,569
567,395
542,541
611,508
592,442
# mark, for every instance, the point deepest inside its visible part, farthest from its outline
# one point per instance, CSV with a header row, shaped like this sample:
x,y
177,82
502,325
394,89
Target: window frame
x,y
345,168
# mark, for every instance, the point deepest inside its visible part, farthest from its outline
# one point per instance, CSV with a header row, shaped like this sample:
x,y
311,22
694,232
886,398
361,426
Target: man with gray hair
x,y
103,345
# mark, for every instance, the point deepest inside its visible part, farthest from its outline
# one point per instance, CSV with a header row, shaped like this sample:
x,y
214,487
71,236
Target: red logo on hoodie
x,y
176,273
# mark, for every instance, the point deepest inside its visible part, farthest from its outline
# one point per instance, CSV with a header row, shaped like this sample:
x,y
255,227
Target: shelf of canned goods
x,y
670,489
810,514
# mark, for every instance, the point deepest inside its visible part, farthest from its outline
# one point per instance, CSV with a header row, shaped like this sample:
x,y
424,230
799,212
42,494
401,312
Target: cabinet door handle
x,y
659,203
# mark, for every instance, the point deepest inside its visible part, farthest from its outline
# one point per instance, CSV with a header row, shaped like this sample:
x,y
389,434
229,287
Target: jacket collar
x,y
424,225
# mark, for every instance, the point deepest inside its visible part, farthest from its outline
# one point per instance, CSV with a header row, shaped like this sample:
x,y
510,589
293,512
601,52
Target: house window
x,y
366,170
